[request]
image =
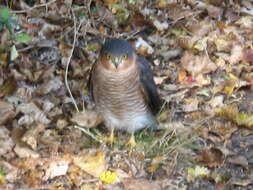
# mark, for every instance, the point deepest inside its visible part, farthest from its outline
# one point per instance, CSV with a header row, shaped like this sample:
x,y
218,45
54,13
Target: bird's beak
x,y
116,62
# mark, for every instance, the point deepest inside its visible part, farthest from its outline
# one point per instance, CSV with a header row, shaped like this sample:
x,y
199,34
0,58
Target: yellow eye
x,y
125,56
108,56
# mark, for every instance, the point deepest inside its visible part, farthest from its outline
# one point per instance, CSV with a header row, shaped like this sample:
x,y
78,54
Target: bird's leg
x,y
110,139
132,141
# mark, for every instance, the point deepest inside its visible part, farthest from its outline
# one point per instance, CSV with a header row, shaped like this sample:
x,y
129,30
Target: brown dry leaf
x,y
87,118
190,104
140,184
200,29
49,86
215,12
31,113
8,87
236,54
6,112
239,160
93,164
182,76
248,55
177,12
197,64
25,152
6,143
223,129
186,42
56,168
31,135
212,157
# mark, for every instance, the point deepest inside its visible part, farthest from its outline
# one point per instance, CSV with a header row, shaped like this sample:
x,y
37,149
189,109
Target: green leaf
x,y
5,15
14,53
24,38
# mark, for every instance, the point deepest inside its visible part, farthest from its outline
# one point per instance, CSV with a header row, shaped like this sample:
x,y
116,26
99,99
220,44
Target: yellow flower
x,y
108,177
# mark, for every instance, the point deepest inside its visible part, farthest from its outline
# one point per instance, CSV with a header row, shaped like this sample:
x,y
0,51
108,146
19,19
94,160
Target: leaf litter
x,y
202,54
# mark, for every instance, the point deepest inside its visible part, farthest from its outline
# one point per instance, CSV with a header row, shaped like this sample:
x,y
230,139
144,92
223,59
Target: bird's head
x,y
117,54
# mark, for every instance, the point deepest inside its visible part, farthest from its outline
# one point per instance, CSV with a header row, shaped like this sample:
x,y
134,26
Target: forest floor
x,y
202,58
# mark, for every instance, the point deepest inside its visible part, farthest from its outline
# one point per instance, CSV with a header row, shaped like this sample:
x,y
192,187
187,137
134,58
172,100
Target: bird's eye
x,y
108,57
125,56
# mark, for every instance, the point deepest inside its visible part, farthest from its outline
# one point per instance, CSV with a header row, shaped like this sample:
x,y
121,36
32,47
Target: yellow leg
x,y
131,141
110,139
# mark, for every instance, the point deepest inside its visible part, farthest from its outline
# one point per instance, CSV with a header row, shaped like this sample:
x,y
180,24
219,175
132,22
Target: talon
x,y
110,139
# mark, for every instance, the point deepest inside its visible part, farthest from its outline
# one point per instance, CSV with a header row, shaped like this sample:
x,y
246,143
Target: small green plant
x,y
7,21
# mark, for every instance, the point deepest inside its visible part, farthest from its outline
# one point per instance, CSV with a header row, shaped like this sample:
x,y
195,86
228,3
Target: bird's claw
x,y
110,140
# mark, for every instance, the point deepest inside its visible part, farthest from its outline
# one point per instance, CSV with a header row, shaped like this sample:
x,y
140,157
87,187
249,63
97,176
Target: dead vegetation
x,y
202,54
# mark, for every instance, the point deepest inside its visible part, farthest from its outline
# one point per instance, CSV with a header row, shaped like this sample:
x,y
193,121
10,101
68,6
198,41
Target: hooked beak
x,y
116,62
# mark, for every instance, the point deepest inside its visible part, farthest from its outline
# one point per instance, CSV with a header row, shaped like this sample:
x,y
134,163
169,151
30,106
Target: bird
x,y
123,89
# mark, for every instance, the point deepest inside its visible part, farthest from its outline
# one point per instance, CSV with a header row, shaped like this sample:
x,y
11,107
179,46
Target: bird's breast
x,y
118,94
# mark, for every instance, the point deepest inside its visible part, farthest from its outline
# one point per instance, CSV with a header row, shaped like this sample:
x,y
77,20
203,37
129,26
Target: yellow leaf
x,y
108,177
2,177
231,76
93,164
245,119
229,89
155,164
231,112
197,172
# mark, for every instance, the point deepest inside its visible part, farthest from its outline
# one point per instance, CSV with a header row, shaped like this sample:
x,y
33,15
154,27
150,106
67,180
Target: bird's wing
x,y
148,85
89,83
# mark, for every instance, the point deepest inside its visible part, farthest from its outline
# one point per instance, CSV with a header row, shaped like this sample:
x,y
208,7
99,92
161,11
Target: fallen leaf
x,y
6,112
197,172
8,87
56,168
190,104
155,164
134,184
196,65
212,157
231,112
25,152
87,118
108,177
93,164
30,137
6,143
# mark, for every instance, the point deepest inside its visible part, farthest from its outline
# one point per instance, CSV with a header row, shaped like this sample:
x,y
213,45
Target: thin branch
x,y
68,62
88,133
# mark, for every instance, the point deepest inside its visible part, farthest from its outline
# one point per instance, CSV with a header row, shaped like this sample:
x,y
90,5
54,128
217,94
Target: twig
x,y
68,62
88,133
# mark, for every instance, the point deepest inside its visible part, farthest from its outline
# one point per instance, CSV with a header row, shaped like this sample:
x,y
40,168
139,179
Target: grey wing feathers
x,y
149,86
